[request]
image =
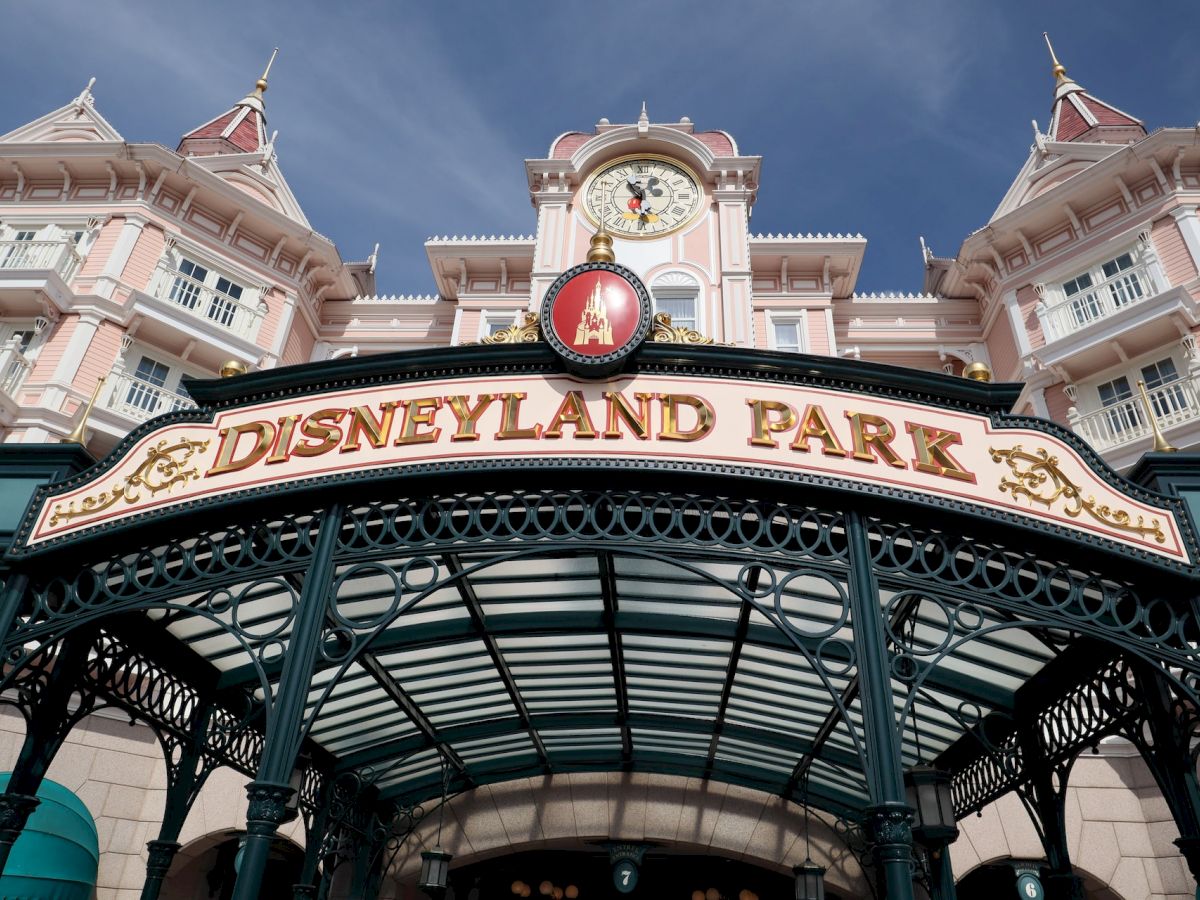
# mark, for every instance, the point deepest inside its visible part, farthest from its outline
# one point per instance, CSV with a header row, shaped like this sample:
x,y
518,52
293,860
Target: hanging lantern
x,y
435,872
928,792
810,881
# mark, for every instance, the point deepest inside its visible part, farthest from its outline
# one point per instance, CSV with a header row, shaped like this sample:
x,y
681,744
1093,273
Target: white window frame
x,y
177,369
179,250
497,318
1144,255
686,287
57,230
797,317
1132,372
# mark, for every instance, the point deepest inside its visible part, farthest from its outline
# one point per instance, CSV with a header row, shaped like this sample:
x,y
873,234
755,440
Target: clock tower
x,y
677,205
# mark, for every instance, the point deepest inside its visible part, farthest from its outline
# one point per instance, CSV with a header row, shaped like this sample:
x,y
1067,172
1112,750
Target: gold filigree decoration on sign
x,y
165,466
525,333
666,333
1037,477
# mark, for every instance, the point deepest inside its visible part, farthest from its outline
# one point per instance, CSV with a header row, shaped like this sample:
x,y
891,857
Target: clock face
x,y
642,196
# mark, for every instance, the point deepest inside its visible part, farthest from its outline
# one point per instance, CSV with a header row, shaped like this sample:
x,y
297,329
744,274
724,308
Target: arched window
x,y
678,294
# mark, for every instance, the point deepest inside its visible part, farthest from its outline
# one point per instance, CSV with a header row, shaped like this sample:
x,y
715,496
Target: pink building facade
x,y
126,267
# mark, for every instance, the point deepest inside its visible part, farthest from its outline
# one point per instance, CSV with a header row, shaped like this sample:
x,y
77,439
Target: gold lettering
x,y
510,429
322,427
619,411
705,417
815,424
877,442
419,412
763,422
229,440
282,452
572,411
930,445
363,422
467,417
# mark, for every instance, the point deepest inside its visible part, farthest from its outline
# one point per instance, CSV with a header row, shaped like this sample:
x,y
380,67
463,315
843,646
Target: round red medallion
x,y
594,315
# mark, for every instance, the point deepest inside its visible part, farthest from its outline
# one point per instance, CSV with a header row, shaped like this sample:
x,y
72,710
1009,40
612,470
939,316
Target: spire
x,y
241,129
255,99
1063,84
643,122
1078,116
600,248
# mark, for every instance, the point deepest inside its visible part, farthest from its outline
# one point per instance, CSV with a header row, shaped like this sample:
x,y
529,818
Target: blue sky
x,y
401,120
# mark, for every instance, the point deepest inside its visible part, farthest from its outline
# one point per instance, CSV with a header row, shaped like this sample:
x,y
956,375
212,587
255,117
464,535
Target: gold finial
x,y
78,434
261,84
1160,440
232,367
601,245
977,371
1059,70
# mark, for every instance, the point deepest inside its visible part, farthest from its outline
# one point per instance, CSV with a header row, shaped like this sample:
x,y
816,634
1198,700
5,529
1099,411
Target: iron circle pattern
x,y
601,364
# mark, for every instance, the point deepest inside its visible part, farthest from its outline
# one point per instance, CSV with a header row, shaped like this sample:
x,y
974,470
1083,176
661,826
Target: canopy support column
x,y
1170,759
887,822
185,778
1045,794
270,791
49,722
941,875
316,828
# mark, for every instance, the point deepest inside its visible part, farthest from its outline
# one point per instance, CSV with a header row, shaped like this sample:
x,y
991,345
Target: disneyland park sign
x,y
593,318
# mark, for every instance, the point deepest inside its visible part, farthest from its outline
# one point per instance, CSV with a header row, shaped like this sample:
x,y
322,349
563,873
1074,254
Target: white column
x,y
1037,399
736,282
548,255
1189,227
1013,308
119,257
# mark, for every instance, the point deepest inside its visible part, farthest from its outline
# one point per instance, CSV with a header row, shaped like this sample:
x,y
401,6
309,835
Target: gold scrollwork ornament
x,y
666,333
165,466
1038,478
525,333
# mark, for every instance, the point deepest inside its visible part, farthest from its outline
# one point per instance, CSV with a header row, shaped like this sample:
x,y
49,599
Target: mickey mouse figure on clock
x,y
647,196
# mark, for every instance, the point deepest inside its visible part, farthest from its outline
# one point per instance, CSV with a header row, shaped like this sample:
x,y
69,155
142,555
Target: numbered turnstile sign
x,y
1029,887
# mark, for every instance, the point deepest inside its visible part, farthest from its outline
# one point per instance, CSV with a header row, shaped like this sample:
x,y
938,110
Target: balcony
x,y
1125,422
1101,301
140,400
195,298
14,367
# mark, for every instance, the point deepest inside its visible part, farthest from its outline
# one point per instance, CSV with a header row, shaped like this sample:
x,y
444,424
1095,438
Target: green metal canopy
x,y
420,632
58,853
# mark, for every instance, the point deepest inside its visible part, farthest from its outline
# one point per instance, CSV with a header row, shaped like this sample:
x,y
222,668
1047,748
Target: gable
x,y
78,121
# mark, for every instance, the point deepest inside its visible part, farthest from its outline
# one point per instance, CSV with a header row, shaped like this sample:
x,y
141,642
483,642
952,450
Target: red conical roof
x,y
242,129
1078,116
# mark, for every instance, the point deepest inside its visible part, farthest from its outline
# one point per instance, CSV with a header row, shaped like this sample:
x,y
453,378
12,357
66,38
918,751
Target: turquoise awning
x,y
58,853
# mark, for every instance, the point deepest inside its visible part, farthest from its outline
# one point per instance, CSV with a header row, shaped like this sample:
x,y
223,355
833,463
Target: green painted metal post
x,y
888,821
15,586
48,727
942,875
186,779
270,791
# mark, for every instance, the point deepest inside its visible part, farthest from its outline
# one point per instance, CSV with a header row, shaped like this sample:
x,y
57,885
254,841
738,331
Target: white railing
x,y
1098,302
56,256
1125,421
199,300
14,367
141,400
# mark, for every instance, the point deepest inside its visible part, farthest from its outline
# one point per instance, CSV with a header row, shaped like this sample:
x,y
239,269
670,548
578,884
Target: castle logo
x,y
594,316
593,324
